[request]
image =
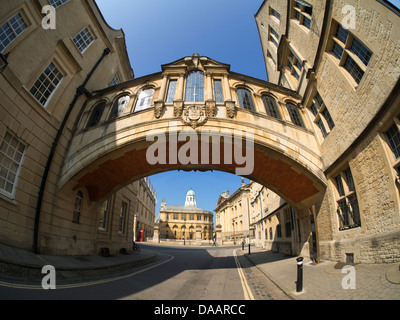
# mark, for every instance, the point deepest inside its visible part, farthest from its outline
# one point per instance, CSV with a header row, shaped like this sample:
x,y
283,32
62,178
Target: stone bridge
x,y
195,115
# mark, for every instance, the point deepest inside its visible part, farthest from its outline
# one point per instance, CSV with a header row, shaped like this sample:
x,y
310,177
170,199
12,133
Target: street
x,y
180,273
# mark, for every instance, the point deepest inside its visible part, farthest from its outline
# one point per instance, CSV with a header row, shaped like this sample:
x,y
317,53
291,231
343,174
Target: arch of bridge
x,y
105,158
113,152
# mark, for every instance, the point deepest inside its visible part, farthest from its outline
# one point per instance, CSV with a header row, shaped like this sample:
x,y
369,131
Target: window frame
x,y
241,101
300,14
94,120
55,4
3,155
348,209
294,66
198,88
12,28
275,14
171,91
273,36
78,205
141,103
342,49
294,113
218,92
122,217
272,109
321,115
115,111
81,38
44,77
104,214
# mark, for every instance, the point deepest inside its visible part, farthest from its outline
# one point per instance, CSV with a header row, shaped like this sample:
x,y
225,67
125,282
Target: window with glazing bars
x,y
114,81
218,93
271,107
10,30
295,115
246,99
393,137
122,216
347,204
195,87
77,207
12,151
83,40
303,12
144,100
275,13
345,46
46,84
96,115
294,65
171,91
322,117
57,3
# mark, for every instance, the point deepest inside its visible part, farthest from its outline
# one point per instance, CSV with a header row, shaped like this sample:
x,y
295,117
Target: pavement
x,y
325,280
19,265
322,281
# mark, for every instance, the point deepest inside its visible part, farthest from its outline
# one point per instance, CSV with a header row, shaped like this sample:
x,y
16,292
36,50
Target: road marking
x,y
86,284
246,289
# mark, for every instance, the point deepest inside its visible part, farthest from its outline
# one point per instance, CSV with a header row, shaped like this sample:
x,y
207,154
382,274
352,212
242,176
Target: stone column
x,y
227,88
156,236
209,95
198,235
180,86
218,232
159,103
161,95
178,102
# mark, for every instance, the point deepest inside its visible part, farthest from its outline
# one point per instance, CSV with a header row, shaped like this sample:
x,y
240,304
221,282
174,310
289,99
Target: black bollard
x,y
249,247
299,283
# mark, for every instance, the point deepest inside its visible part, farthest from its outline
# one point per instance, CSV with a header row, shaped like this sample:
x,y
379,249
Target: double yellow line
x,y
248,295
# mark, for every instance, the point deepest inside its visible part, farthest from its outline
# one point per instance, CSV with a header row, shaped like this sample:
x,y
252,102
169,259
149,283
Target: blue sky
x,y
162,31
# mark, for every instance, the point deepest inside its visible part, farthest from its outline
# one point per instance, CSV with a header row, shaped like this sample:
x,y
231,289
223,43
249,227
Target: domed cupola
x,y
190,199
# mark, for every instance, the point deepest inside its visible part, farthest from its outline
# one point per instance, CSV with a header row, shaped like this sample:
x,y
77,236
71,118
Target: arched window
x,y
144,100
195,87
95,117
271,107
77,207
119,107
295,115
245,99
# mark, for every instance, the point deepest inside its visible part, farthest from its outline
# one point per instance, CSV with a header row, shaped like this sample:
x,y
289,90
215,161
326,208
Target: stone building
x,y
188,222
143,224
45,77
256,213
325,128
343,59
233,214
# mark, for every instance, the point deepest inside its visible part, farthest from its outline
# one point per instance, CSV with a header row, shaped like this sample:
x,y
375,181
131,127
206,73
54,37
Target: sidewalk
x,y
323,281
23,265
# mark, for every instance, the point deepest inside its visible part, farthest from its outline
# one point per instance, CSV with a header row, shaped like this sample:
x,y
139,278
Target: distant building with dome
x,y
187,222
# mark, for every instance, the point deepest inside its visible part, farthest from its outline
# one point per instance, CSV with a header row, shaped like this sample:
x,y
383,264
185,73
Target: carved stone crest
x,y
194,115
158,108
211,108
178,108
230,109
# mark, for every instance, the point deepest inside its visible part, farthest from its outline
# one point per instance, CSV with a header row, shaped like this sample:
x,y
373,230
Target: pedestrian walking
x,y
214,241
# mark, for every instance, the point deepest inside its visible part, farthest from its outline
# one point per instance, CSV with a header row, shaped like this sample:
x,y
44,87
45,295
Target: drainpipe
x,y
79,91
